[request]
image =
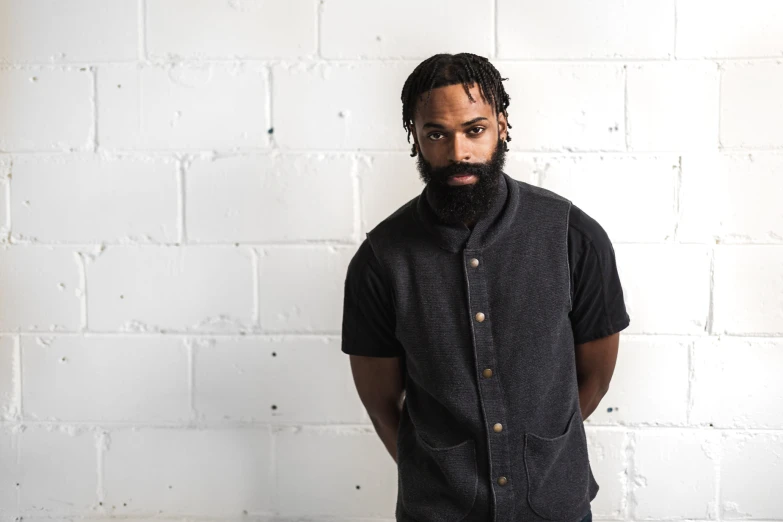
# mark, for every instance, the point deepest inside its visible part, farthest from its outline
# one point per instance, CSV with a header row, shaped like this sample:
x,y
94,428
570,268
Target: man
x,y
482,319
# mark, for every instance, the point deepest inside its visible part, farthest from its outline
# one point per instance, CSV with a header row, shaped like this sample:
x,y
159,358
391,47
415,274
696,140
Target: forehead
x,y
452,103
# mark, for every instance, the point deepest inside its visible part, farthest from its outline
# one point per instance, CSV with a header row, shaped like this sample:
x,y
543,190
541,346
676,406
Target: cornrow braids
x,y
441,70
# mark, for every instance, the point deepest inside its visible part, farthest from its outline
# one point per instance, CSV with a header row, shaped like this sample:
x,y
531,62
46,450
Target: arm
x,y
598,313
380,386
375,352
595,362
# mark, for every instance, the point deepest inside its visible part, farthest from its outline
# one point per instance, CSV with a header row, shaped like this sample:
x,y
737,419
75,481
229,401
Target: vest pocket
x,y
557,473
438,484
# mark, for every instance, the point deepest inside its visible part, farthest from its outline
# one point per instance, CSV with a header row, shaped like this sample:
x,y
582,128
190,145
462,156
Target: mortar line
x,y
676,22
720,104
94,74
412,60
357,204
17,436
277,334
189,347
335,335
181,203
142,30
332,427
630,510
691,376
318,22
289,151
718,471
255,265
19,387
495,32
708,328
101,444
625,107
81,263
677,195
271,141
275,503
8,182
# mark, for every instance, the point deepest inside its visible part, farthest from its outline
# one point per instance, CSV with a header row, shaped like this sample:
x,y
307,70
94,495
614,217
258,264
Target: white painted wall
x,y
184,182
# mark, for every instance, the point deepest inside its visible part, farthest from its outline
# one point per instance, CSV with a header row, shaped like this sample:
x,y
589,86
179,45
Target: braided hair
x,y
441,70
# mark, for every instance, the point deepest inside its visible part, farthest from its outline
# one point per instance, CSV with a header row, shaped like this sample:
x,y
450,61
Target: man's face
x,y
460,152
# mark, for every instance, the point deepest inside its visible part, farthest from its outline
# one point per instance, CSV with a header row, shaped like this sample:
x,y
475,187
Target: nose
x,y
459,151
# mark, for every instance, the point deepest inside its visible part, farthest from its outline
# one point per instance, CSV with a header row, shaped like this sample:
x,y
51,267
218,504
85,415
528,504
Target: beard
x,y
454,204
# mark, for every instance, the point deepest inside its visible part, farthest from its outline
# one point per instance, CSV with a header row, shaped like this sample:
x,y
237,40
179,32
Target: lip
x,y
466,179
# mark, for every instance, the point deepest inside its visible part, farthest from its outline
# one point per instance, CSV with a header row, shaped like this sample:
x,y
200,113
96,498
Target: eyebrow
x,y
439,126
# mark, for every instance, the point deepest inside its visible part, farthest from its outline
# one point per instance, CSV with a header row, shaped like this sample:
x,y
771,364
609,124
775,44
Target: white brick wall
x,y
183,183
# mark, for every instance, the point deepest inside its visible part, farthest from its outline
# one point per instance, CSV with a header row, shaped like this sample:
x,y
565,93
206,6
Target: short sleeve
x,y
598,307
368,312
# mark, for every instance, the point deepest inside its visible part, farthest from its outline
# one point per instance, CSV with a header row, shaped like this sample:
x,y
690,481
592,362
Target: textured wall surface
x,y
183,183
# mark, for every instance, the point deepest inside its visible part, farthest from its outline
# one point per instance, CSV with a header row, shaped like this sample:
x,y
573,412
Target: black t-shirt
x,y
598,306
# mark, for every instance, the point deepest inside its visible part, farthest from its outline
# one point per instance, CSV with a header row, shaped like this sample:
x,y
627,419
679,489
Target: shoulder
x,y
397,219
363,260
395,231
534,192
538,200
584,229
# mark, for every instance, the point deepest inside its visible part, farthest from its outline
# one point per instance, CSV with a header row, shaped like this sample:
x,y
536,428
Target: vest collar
x,y
486,230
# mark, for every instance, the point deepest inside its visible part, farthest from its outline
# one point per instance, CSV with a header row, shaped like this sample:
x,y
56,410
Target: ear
x,y
414,135
502,126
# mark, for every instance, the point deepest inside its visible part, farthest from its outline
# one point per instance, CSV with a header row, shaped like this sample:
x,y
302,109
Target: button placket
x,y
490,392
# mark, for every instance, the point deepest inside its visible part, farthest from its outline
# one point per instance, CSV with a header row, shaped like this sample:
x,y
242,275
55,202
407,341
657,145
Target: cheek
x,y
435,154
487,149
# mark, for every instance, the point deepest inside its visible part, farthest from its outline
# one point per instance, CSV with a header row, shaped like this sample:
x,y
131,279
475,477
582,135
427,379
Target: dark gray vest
x,y
491,428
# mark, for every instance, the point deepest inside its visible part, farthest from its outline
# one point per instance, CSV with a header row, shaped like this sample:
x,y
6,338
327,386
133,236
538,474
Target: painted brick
x,y
241,198
197,106
213,472
732,198
9,463
302,288
9,379
666,287
149,288
236,29
751,107
574,107
58,469
752,399
58,198
607,454
679,466
635,396
387,182
108,378
673,106
278,381
747,494
45,31
45,109
389,30
339,482
748,297
733,30
608,29
356,106
611,188
42,288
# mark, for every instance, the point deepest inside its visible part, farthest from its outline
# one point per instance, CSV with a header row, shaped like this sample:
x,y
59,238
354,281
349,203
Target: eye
x,y
479,129
433,136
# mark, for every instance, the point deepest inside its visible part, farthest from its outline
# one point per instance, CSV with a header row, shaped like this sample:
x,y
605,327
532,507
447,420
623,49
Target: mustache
x,y
477,169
